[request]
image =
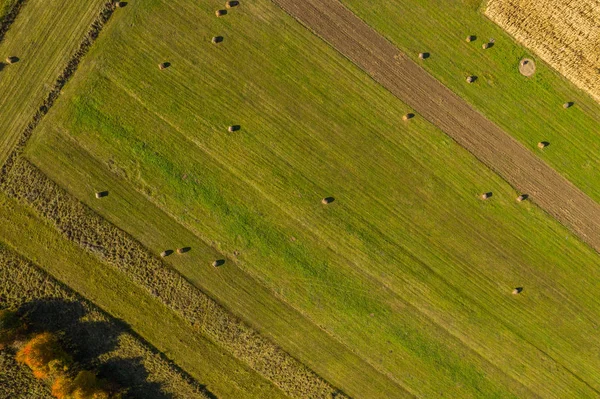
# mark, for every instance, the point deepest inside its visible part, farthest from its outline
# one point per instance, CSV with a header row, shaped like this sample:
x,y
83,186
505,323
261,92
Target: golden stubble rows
x,y
564,33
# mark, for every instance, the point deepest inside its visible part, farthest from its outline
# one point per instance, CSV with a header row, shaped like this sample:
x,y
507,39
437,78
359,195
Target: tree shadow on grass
x,y
86,340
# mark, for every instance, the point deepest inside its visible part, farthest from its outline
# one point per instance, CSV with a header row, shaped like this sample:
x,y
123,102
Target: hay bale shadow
x,y
543,144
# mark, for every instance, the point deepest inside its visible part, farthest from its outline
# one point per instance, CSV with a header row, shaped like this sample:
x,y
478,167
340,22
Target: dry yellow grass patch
x,y
564,33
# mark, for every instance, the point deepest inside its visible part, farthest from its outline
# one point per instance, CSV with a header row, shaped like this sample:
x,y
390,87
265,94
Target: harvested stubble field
x,y
563,33
420,294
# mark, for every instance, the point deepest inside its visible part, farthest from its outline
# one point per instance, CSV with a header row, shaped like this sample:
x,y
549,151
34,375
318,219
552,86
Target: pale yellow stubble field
x,y
564,33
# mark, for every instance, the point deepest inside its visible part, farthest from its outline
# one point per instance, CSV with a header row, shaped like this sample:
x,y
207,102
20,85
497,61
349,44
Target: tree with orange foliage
x,y
44,356
84,386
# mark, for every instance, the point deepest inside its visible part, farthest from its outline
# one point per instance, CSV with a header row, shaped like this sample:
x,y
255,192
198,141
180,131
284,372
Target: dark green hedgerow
x,y
86,228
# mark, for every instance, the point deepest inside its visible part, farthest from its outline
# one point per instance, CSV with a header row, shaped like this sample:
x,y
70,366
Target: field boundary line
x,y
9,18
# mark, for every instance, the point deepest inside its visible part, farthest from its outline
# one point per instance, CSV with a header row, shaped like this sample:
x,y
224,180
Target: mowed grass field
x,y
407,268
530,109
43,36
209,365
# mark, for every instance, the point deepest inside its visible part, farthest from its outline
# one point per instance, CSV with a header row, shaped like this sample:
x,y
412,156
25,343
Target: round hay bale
x,y
220,13
327,200
101,194
471,79
217,39
218,262
12,59
522,197
527,67
485,196
231,4
166,253
183,250
517,290
423,55
471,38
543,144
408,116
233,128
120,4
486,46
568,104
164,65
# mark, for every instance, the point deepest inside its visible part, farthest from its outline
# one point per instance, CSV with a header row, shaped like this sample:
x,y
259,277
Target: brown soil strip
x,y
520,167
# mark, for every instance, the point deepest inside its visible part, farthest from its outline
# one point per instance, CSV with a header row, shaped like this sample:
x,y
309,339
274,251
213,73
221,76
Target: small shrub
x,y
44,356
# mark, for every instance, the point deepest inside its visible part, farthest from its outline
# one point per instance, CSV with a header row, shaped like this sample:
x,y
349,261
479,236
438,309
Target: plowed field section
x,y
406,80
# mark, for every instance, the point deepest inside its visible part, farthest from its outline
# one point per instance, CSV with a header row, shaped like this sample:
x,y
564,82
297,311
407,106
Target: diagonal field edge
x,y
9,18
387,65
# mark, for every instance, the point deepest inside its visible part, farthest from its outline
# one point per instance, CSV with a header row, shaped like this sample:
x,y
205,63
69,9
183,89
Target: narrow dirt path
x,y
521,168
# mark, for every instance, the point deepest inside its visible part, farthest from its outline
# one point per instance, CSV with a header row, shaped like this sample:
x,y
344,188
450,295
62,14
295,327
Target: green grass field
x,y
43,37
530,109
407,268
